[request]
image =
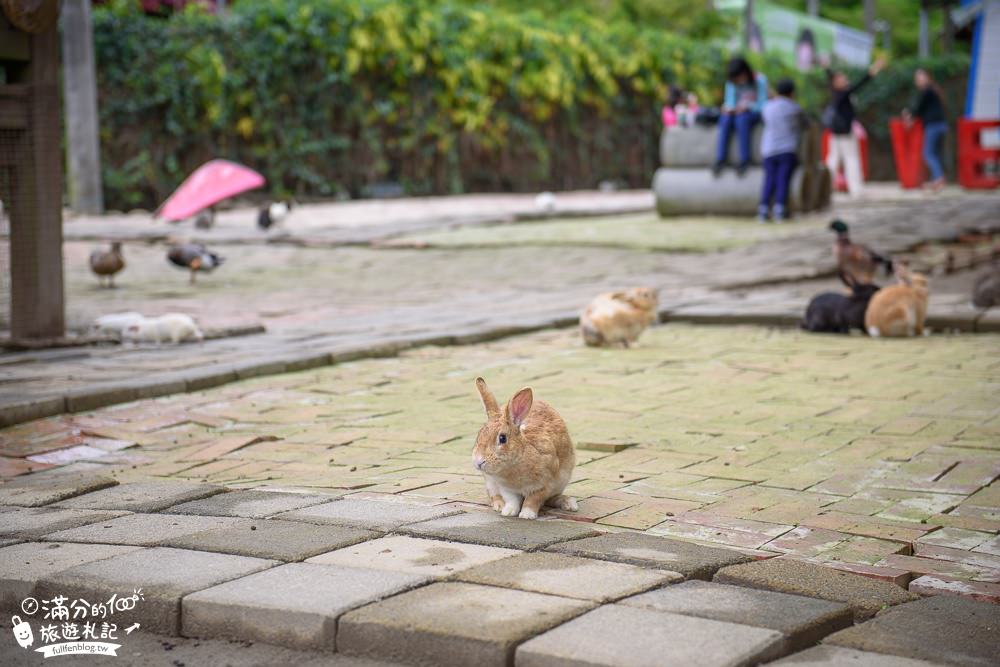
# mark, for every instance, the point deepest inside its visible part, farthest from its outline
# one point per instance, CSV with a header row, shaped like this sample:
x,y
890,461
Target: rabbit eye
x,y
502,438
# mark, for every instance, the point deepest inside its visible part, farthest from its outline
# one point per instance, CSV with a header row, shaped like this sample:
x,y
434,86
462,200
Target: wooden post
x,y
36,205
83,156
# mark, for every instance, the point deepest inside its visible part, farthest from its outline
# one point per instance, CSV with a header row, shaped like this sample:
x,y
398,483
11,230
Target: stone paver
x,y
142,496
164,575
766,441
144,649
271,538
22,565
944,629
494,530
369,514
38,490
251,504
419,295
834,656
568,576
295,605
143,529
452,624
803,621
865,596
618,636
414,555
33,522
689,560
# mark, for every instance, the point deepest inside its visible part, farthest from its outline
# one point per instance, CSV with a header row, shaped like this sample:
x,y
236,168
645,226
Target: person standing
x,y
745,95
779,144
929,108
839,118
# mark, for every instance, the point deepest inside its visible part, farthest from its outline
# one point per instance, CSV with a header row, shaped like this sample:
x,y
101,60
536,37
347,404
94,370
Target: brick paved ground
x,y
324,303
336,508
871,456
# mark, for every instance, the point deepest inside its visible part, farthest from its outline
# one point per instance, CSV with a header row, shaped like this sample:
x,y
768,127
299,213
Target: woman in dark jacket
x,y
843,144
929,108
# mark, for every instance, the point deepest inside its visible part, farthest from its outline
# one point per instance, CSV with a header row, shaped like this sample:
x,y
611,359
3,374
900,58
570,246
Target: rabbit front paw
x,y
527,513
510,509
498,504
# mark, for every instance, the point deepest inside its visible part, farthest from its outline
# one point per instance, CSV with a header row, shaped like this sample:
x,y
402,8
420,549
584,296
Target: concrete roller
x,y
695,146
697,191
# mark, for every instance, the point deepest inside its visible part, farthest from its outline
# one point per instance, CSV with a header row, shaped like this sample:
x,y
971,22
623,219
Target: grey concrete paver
x,y
149,496
368,514
494,530
271,538
864,595
415,555
34,522
803,621
568,576
253,504
22,565
295,605
164,575
690,560
946,629
452,625
143,529
44,489
835,656
145,649
619,636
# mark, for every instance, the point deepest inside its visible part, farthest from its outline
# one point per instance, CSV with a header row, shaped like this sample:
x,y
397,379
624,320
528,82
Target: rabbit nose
x,y
479,462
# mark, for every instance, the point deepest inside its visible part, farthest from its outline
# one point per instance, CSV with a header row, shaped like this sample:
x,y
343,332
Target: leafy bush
x,y
332,97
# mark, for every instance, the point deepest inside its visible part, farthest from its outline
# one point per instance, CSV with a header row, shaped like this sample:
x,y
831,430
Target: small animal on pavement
x,y
619,318
105,263
858,261
194,257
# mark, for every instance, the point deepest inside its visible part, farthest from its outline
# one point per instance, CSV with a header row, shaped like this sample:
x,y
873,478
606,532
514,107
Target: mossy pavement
x,y
858,453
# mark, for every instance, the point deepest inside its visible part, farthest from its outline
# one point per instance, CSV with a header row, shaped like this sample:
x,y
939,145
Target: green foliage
x,y
893,89
333,96
327,97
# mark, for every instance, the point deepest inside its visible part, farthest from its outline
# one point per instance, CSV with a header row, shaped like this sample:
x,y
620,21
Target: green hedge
x,y
330,97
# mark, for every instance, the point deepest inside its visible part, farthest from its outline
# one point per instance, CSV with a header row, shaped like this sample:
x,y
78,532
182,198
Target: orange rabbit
x,y
899,310
525,454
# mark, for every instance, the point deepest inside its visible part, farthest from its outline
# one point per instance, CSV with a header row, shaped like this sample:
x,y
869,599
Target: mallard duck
x,y
106,263
194,257
858,261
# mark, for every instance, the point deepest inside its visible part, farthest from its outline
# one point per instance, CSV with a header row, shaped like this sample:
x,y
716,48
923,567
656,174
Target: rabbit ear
x,y
847,279
519,406
489,400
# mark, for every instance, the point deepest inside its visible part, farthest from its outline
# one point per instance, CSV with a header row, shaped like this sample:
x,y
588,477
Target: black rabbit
x,y
831,312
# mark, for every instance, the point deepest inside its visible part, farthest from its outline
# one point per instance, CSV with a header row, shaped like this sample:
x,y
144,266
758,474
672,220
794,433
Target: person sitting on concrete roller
x,y
745,95
839,119
778,145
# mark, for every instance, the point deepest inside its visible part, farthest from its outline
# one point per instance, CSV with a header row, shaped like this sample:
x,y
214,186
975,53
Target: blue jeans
x,y
933,136
743,123
778,170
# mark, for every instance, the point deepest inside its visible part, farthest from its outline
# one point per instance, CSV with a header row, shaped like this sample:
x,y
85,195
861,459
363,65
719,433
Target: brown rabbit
x,y
899,310
524,453
618,318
